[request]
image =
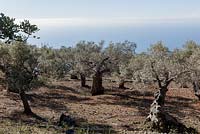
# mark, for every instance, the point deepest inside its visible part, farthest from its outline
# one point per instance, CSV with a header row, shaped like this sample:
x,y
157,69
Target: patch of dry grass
x,y
10,127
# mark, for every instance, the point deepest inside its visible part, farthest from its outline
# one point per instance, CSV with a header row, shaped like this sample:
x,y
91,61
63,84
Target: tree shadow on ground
x,y
55,100
182,107
78,99
39,101
19,116
72,90
82,127
142,101
137,99
79,90
48,100
127,98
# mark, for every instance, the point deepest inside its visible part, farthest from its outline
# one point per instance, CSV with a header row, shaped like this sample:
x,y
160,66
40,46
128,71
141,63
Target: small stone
x,y
66,120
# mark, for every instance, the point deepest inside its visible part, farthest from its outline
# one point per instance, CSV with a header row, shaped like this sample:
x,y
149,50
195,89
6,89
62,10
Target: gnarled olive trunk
x,y
97,88
160,120
196,89
156,109
83,80
27,108
99,70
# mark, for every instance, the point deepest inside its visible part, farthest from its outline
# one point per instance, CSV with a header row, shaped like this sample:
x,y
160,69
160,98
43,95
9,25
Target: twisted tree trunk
x,y
27,108
83,80
97,88
156,109
160,120
99,70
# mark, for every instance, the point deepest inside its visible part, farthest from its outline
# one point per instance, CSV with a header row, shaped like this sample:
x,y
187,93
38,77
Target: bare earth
x,y
119,109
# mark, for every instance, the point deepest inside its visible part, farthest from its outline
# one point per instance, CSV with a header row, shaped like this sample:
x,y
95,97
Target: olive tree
x,y
85,54
18,61
163,67
20,71
99,69
136,67
195,72
11,31
189,55
192,52
120,54
55,63
90,60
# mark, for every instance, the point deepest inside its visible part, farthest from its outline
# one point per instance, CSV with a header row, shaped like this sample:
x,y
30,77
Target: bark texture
x,y
157,108
99,70
97,88
161,121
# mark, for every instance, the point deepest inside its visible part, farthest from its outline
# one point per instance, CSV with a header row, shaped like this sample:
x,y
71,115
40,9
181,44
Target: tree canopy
x,y
11,31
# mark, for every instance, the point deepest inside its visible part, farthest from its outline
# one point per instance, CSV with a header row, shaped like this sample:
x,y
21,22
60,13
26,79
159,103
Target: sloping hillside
x,y
117,111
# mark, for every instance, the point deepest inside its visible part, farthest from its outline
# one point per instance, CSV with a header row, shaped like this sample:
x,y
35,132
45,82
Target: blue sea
x,y
173,35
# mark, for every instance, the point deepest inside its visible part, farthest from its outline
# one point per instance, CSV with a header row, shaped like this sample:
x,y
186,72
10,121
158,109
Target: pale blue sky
x,y
100,8
64,22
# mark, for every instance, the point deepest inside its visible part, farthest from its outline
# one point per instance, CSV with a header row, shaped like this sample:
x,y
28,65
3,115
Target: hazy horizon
x,y
172,35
